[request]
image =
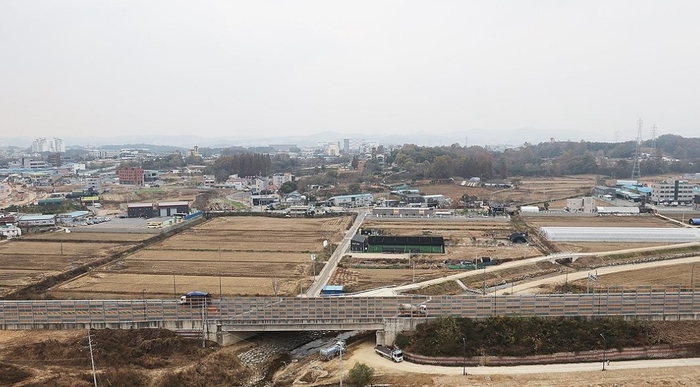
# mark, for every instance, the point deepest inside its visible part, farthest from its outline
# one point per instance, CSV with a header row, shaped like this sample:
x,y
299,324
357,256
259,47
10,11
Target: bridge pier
x,y
393,326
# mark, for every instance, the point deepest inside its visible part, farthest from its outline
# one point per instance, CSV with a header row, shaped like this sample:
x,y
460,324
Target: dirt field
x,y
87,236
24,262
528,190
251,256
674,275
463,241
59,358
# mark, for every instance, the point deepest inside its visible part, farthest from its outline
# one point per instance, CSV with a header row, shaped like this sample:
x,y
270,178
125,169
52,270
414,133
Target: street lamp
x,y
464,356
692,278
604,349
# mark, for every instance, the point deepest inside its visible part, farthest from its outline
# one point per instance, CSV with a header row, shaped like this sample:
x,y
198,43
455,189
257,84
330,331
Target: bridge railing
x,y
283,310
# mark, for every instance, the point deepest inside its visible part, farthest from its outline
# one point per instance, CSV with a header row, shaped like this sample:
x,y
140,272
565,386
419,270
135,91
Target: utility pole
x,y
92,359
341,367
464,356
604,349
204,323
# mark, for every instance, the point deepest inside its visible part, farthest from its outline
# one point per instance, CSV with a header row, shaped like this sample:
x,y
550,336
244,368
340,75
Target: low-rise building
x,y
130,175
35,220
672,191
359,200
584,205
403,212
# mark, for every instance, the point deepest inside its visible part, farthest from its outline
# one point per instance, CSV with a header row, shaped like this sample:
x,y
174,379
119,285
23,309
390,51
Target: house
x,y
295,198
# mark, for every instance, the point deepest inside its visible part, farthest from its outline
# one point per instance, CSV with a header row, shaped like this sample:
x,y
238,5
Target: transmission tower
x,y
653,141
636,173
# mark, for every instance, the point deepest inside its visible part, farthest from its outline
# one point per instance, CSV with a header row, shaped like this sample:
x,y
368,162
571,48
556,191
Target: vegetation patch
x,y
526,336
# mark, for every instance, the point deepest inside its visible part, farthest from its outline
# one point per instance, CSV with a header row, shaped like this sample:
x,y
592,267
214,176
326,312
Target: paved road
x,y
393,291
528,287
365,354
344,245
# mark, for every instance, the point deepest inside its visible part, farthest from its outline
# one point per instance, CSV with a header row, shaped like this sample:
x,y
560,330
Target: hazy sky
x,y
575,69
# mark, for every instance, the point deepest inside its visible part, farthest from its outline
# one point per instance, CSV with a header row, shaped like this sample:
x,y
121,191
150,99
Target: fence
x,y
298,310
656,352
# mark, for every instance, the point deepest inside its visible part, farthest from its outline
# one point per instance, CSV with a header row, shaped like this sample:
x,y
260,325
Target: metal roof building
x,y
620,234
617,210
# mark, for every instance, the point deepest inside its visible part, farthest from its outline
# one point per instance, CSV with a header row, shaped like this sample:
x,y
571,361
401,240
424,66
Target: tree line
x,y
671,154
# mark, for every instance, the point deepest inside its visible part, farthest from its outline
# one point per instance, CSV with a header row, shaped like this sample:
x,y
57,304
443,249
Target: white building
x,y
280,178
333,150
43,144
94,183
236,183
585,205
209,181
674,191
359,200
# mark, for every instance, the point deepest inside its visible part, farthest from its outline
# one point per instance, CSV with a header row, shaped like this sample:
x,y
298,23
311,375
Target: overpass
x,y
223,320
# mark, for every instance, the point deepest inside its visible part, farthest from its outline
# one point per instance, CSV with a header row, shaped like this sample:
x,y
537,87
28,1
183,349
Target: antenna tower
x,y
617,136
653,141
636,173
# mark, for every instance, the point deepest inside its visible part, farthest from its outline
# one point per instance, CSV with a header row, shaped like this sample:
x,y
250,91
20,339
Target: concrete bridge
x,y
230,319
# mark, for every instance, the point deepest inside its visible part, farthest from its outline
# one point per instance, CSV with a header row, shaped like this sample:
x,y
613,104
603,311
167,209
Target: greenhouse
x,y
620,234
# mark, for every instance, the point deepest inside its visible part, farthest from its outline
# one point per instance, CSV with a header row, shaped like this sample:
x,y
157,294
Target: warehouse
x,y
141,210
36,220
620,234
154,210
404,244
172,208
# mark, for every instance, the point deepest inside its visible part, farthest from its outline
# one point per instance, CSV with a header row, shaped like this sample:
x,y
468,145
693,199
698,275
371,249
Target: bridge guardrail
x,y
281,310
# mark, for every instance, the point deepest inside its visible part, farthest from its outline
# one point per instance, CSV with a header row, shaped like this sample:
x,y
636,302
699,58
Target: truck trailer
x,y
195,298
393,354
332,351
413,310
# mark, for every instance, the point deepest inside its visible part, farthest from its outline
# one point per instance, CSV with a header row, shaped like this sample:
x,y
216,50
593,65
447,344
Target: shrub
x,y
360,375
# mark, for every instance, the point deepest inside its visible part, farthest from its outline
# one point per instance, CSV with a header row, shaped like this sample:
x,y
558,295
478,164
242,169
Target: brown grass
x,y
248,253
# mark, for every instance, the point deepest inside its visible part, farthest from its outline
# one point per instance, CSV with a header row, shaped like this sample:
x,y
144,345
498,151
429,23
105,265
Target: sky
x,y
237,69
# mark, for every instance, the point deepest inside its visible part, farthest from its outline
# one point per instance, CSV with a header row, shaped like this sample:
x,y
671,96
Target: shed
x,y
358,243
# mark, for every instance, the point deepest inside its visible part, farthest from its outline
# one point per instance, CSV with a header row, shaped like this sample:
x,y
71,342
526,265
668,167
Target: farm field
x,y
464,240
88,236
529,190
249,255
24,262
